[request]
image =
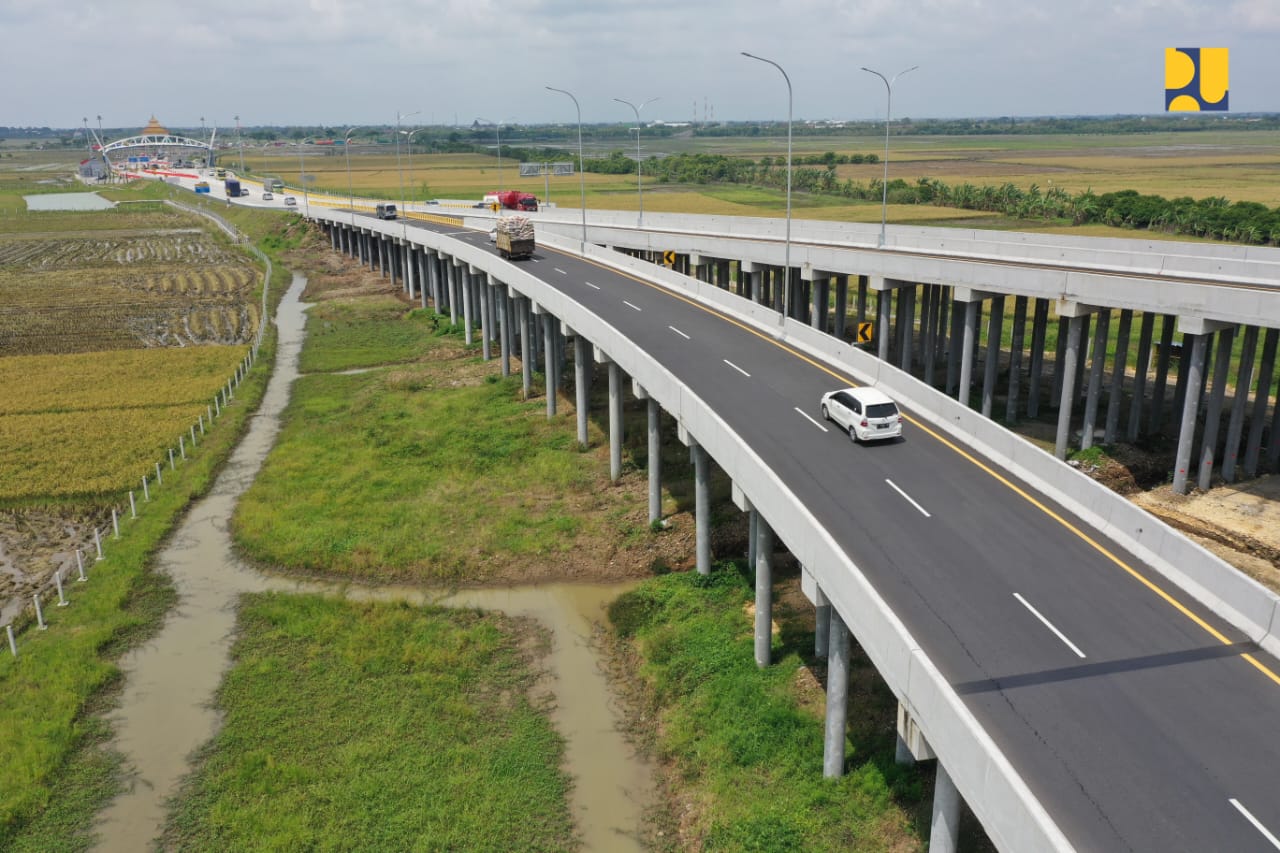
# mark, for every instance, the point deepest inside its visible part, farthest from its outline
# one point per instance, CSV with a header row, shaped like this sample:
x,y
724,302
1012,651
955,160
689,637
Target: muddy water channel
x,y
166,711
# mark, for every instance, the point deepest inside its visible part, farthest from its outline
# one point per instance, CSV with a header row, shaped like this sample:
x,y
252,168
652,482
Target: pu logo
x,y
1195,78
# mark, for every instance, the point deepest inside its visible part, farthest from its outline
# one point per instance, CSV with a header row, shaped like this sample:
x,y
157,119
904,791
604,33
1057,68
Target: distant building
x,y
154,128
93,169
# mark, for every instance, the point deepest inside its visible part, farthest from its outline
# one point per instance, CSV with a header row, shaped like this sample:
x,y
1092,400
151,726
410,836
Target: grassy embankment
x,y
377,727
55,768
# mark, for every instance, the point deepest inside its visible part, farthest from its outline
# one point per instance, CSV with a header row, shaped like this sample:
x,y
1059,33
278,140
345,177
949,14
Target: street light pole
x,y
409,142
888,105
302,179
399,171
240,142
351,196
639,186
497,126
786,274
582,181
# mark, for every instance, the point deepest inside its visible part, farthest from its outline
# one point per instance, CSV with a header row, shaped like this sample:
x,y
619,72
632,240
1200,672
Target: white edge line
x,y
1257,824
596,286
680,333
908,498
806,416
629,305
557,269
1049,625
735,367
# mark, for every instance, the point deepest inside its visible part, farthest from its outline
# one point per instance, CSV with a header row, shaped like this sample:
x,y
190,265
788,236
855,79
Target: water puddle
x,y
165,712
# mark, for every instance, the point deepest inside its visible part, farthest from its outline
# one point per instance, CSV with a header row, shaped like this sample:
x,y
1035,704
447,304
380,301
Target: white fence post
x,y
146,493
182,446
39,613
57,579
80,566
115,524
13,644
97,541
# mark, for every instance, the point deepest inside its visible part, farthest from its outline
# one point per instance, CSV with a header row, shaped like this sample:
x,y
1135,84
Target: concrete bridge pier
x,y
842,305
1115,394
837,716
701,502
383,251
928,306
1101,332
1213,417
1244,380
750,281
906,325
655,451
1039,329
549,360
486,316
468,303
526,345
1190,408
615,416
764,593
944,828
580,365
1136,407
1258,419
972,301
1155,418
995,332
1015,358
955,344
452,271
410,270
505,318
821,621
1075,314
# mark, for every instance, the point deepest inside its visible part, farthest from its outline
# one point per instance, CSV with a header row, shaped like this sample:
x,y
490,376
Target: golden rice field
x,y
95,423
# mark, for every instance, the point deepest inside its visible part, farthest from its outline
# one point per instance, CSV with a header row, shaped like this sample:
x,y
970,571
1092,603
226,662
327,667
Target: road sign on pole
x,y
865,331
669,258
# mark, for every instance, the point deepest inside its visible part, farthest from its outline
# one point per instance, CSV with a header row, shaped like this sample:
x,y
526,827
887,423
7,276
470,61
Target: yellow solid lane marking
x,y
1014,487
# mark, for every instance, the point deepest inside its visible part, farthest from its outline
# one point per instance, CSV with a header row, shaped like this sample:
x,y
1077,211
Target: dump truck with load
x,y
514,237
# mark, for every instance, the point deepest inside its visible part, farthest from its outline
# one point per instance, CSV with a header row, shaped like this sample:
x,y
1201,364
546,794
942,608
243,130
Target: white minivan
x,y
867,414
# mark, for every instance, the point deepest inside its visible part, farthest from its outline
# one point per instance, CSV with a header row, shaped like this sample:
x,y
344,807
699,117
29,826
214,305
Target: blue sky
x,y
361,61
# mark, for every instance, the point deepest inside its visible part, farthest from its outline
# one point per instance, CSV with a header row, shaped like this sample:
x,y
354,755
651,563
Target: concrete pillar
x,y
955,355
1259,417
929,297
1213,416
862,299
1190,405
764,593
884,299
1015,357
1085,346
821,623
702,508
1273,437
615,422
549,362
468,310
966,351
410,278
1040,327
655,461
451,270
526,346
1244,380
1068,372
1180,388
422,276
504,327
1136,407
486,321
837,698
1100,333
1156,416
580,366
1063,328
944,829
842,305
940,320
1115,394
753,524
995,331
907,300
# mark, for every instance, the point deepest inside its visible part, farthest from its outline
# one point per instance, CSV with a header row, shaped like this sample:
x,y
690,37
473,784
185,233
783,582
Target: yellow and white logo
x,y
1195,79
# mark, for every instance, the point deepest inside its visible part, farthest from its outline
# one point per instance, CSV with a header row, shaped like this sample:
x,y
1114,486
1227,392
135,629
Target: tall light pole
x,y
497,126
888,105
582,181
639,189
399,116
351,195
302,179
409,142
786,274
240,142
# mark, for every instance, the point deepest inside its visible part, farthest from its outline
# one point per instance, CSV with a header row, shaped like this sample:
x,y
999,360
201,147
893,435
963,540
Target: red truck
x,y
514,199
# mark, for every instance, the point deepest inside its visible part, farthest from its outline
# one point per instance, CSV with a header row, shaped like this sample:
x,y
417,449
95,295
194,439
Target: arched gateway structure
x,y
155,137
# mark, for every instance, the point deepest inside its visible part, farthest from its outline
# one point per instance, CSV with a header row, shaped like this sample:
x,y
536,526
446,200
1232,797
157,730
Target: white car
x,y
865,413
267,196
290,201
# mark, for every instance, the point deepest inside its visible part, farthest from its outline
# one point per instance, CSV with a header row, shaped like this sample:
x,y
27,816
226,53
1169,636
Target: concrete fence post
x,y
171,465
57,580
182,446
133,506
80,566
159,480
97,542
39,613
115,523
13,644
146,492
